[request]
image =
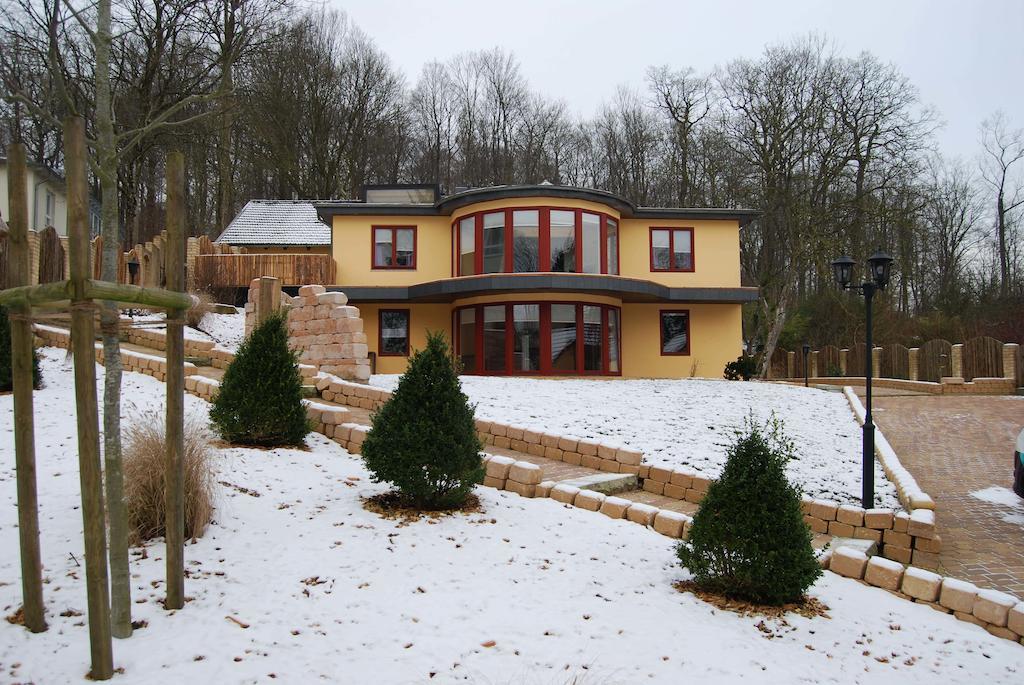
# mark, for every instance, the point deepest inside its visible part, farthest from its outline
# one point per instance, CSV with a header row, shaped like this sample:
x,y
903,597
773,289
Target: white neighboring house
x,y
46,194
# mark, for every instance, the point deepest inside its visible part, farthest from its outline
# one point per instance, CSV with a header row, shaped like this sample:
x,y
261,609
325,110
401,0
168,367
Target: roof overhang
x,y
626,289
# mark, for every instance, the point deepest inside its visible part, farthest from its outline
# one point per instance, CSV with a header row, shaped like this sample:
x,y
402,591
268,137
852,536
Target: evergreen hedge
x,y
6,368
424,439
748,539
260,397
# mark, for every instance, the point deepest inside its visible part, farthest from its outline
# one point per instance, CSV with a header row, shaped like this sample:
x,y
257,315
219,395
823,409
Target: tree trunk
x,y
106,151
1004,257
225,179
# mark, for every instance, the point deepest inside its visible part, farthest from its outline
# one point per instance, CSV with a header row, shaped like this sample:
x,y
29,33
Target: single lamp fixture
x,y
807,349
881,265
842,268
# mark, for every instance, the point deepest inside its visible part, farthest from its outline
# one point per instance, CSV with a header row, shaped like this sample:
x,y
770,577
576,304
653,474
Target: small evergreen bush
x,y
424,439
260,398
6,364
744,367
748,539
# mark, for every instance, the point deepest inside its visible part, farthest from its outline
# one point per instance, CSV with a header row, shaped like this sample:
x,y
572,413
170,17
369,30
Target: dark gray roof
x,y
276,222
449,203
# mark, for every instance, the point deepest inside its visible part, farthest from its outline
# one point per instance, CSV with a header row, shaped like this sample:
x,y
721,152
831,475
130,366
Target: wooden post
x,y
21,372
269,299
174,464
84,351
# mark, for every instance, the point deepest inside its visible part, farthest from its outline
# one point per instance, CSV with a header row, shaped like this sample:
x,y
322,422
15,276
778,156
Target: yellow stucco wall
x,y
716,334
422,318
353,249
716,250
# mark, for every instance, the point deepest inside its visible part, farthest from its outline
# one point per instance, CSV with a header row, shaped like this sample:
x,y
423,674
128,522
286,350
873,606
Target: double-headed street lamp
x,y
879,266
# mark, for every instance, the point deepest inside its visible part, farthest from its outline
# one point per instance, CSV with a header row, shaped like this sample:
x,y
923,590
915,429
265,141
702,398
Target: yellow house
x,y
542,280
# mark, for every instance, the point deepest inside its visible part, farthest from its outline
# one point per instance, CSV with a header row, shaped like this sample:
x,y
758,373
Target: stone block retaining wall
x,y
999,613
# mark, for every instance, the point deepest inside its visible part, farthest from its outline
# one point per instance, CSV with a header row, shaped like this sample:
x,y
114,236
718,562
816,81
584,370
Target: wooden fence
x,y
895,361
935,360
982,358
830,361
237,270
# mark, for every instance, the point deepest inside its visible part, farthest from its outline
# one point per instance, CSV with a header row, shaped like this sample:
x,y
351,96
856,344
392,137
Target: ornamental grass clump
x,y
145,450
6,378
424,439
260,397
748,539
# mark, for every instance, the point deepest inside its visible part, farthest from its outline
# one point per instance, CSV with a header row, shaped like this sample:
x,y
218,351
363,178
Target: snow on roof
x,y
276,222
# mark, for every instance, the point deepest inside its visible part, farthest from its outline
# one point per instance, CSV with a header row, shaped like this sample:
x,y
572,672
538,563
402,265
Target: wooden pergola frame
x,y
78,294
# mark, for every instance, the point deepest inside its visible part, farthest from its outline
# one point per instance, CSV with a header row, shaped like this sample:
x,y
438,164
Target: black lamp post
x,y
807,352
879,267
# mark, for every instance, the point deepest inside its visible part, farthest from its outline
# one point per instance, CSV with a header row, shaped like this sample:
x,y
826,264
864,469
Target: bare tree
x,y
1003,149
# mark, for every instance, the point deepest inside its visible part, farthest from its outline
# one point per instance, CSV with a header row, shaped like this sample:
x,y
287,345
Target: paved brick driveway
x,y
955,446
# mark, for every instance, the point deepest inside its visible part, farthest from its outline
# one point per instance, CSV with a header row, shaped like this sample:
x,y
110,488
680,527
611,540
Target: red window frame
x,y
545,338
380,332
543,239
661,334
394,247
671,249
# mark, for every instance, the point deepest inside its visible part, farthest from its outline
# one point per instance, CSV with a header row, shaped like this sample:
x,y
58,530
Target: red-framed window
x,y
675,332
394,247
538,338
535,239
393,333
672,249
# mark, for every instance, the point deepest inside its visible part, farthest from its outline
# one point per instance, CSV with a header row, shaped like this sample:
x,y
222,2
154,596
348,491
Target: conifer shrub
x,y
748,539
424,439
6,363
744,367
260,397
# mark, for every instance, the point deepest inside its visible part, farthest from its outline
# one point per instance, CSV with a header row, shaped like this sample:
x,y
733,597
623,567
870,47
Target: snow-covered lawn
x,y
688,422
333,593
227,330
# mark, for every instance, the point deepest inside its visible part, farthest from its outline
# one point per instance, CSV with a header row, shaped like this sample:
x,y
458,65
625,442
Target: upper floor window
x,y
671,249
394,247
51,206
536,239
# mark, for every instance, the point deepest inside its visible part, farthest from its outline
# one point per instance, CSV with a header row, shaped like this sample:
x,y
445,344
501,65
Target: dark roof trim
x,y
628,289
447,205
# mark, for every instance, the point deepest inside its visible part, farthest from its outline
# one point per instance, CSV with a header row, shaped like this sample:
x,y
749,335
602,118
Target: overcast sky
x,y
965,57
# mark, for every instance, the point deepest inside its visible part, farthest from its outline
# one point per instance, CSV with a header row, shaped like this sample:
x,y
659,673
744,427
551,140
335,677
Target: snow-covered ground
x,y
227,330
332,593
688,422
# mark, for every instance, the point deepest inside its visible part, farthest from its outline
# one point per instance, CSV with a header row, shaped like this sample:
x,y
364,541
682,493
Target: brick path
x,y
955,446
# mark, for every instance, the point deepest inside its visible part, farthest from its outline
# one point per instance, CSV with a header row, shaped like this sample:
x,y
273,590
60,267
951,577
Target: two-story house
x,y
542,280
46,199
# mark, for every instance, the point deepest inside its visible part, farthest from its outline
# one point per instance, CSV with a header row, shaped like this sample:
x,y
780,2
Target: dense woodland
x,y
273,99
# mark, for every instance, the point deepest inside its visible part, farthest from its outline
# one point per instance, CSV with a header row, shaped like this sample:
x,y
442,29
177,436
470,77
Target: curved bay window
x,y
538,338
536,239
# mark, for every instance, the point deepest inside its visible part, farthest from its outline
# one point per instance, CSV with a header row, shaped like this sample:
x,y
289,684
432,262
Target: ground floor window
x,y
540,338
675,332
393,326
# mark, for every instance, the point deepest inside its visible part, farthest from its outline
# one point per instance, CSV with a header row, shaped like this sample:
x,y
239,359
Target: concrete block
x,y
921,584
522,489
683,479
826,511
609,465
553,453
564,493
529,436
674,491
586,447
881,519
607,451
660,474
544,489
641,513
549,440
933,545
922,523
629,456
615,507
992,606
901,554
491,482
670,523
567,444
838,529
498,467
925,559
525,472
884,573
654,486
891,537
589,500
868,534
958,595
1015,618
969,618
847,513
849,562
591,461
